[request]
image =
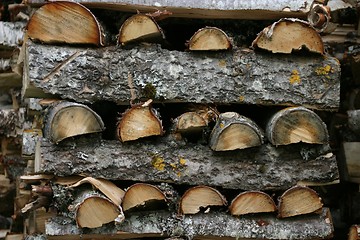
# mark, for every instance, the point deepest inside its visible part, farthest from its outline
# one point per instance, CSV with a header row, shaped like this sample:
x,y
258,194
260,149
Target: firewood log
x,y
140,28
65,22
296,124
143,195
234,131
349,163
354,120
200,198
12,34
353,101
252,202
209,39
288,35
68,119
354,232
138,122
298,200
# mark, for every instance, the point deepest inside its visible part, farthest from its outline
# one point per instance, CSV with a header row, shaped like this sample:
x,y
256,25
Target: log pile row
x,y
166,135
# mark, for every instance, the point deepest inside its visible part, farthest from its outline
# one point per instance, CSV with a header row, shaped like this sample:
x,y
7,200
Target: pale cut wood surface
x,y
351,162
252,202
246,77
166,160
354,232
215,224
209,39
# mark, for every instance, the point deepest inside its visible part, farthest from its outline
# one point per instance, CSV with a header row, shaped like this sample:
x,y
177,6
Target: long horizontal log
x,y
213,224
239,76
259,168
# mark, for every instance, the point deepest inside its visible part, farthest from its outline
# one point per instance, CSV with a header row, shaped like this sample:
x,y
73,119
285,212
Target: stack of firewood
x,y
140,139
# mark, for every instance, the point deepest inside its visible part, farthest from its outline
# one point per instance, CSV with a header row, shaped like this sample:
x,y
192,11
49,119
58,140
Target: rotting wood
x,y
143,195
252,202
200,198
247,77
209,39
354,232
65,22
288,35
140,28
296,124
298,200
216,224
163,160
139,121
234,131
67,119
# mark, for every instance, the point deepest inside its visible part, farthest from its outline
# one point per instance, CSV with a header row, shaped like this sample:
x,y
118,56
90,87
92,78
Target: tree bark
x,y
115,74
11,34
11,122
354,120
213,224
263,167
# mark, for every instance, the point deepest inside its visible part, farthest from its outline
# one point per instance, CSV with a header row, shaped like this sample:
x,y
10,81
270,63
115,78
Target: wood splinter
x,y
298,200
140,28
296,124
209,39
252,202
288,35
138,122
68,119
234,131
200,198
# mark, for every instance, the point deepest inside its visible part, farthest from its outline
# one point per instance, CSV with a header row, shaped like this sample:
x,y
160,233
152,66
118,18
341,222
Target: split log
x,y
234,131
216,224
252,202
296,124
354,120
68,119
140,28
65,22
288,35
160,160
138,122
200,198
189,122
354,232
143,195
209,39
350,164
171,76
298,200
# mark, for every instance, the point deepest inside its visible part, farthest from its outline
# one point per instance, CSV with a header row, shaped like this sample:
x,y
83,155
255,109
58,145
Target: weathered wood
x,y
10,80
215,224
171,76
65,22
252,202
11,122
264,167
288,35
350,165
200,198
354,232
209,39
11,34
234,131
29,140
354,120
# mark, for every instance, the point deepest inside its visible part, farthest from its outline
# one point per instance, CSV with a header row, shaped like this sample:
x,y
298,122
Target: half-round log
x,y
209,39
234,131
68,119
296,124
65,22
199,197
252,202
288,35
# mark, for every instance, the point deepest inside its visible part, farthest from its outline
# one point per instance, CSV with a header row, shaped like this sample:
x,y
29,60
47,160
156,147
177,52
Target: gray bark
x,y
238,76
11,34
259,168
354,120
11,122
214,224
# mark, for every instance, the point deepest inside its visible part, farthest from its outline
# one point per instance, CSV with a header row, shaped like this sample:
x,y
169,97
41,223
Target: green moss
x,y
149,91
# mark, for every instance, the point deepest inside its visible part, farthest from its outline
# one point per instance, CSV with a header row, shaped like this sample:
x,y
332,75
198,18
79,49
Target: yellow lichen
x,y
182,161
222,63
221,125
241,98
158,163
295,77
324,71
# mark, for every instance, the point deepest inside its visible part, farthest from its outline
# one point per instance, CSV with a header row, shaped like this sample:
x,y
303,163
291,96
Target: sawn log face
x,y
239,76
259,168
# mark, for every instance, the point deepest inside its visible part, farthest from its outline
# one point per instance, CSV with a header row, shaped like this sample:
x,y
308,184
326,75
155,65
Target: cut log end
x,y
200,197
296,124
252,202
139,27
233,131
189,122
354,232
288,35
65,22
298,200
209,39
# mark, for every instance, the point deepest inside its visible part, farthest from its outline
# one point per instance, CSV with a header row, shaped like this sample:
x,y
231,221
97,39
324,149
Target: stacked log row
x,y
237,154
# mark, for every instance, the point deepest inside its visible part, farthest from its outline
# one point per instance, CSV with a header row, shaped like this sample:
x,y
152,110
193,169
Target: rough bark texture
x,y
238,76
11,34
354,120
11,122
264,167
213,224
